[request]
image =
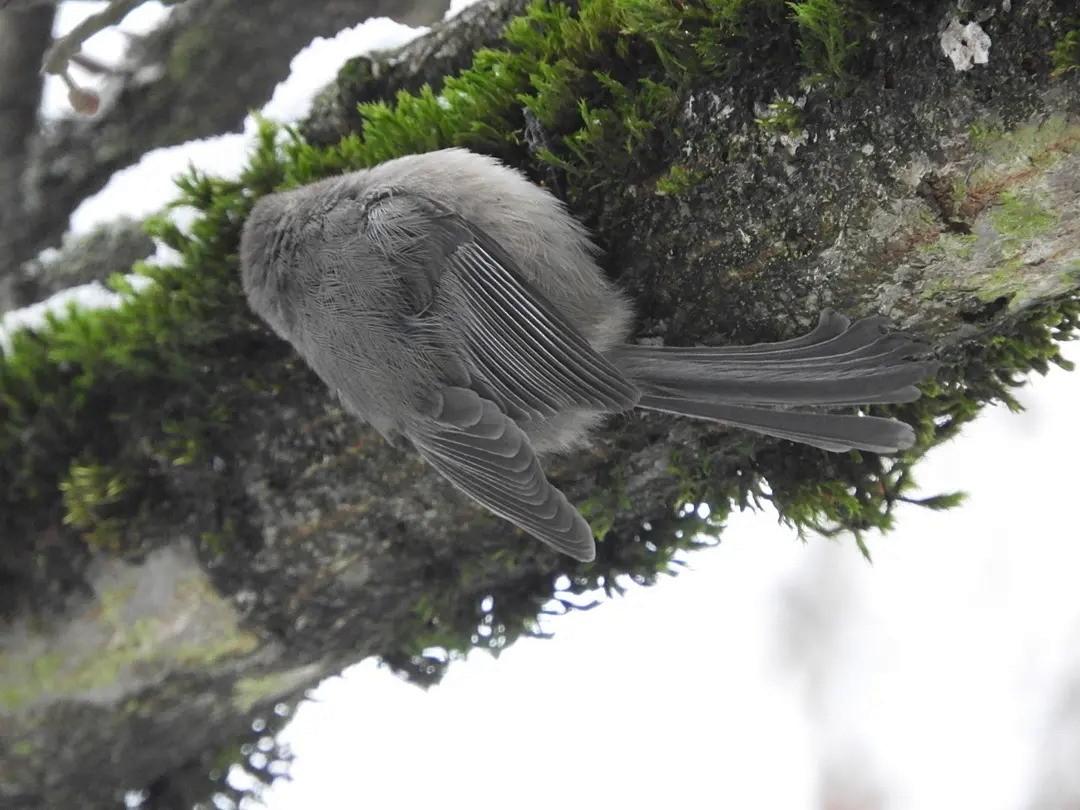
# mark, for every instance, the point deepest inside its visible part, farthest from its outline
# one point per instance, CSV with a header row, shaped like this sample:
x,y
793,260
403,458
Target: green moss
x,y
205,655
784,117
826,44
89,492
603,121
1019,217
1004,282
676,181
607,501
217,542
961,245
937,288
1066,52
1039,144
52,676
983,134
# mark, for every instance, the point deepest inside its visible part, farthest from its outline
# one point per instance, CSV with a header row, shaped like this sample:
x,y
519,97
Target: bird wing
x,y
513,337
523,358
487,456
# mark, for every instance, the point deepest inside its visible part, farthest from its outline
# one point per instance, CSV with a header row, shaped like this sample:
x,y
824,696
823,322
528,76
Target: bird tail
x,y
839,363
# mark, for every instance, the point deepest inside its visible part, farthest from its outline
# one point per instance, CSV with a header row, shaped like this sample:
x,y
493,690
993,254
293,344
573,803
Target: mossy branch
x,y
306,522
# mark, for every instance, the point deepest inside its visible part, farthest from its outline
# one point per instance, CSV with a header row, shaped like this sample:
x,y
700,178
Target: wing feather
x,y
491,461
522,347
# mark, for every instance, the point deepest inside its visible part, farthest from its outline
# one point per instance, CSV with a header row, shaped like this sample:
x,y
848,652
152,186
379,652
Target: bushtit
x,y
449,300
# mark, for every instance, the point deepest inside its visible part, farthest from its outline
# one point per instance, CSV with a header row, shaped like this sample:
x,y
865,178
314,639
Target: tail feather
x,y
839,363
877,386
834,432
892,346
864,338
831,324
835,334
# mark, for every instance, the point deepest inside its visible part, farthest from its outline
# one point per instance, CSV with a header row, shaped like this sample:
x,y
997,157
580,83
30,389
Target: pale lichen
x,y
146,620
966,45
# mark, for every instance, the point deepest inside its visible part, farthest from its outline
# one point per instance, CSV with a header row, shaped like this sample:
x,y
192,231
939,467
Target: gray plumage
x,y
447,299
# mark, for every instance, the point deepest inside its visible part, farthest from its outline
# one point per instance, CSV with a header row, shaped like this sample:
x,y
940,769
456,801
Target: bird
x,y
448,300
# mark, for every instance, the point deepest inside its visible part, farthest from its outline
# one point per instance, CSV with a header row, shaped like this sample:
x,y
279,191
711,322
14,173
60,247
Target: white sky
x,y
772,674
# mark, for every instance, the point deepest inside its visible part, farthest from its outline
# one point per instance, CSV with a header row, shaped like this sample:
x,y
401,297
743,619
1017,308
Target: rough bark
x,y
95,256
20,5
948,200
198,75
25,34
426,60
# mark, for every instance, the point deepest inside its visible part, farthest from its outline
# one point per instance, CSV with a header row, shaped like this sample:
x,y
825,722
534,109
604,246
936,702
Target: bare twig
x,y
63,49
68,48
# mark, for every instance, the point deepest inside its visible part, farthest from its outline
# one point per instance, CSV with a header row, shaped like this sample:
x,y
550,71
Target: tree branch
x,y
447,49
197,76
197,532
25,34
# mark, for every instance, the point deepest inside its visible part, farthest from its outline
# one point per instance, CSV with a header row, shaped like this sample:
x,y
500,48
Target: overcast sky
x,y
772,674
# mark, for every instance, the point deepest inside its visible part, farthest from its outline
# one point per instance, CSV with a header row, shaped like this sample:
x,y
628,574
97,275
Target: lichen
x,y
120,640
995,226
1020,217
965,45
1033,144
258,690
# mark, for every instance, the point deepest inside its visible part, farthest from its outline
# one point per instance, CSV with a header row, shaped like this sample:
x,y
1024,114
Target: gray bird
x,y
449,300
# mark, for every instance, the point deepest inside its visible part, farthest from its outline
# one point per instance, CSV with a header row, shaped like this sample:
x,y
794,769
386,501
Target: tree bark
x,y
25,34
300,542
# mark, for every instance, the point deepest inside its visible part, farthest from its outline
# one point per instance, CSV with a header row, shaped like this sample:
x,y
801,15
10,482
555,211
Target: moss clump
x,y
828,29
608,500
90,491
597,81
677,180
1065,55
1019,218
783,117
